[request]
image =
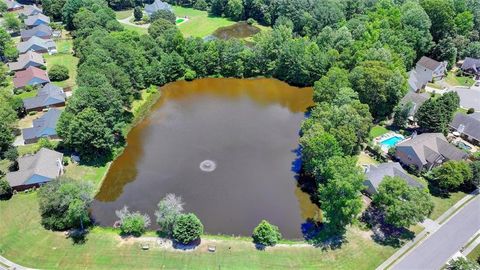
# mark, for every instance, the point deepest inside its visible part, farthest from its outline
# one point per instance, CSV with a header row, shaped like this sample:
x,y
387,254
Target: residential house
x,y
468,125
26,60
36,169
471,66
42,31
38,45
427,150
30,76
12,5
416,99
35,20
426,70
156,6
43,127
375,175
48,96
30,10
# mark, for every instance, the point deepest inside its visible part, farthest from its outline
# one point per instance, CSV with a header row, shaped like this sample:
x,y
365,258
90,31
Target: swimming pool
x,y
391,142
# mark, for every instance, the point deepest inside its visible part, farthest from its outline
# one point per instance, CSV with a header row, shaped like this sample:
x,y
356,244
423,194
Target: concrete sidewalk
x,y
12,265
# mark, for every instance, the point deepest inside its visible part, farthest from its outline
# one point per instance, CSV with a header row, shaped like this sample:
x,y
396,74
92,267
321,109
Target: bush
x,y
65,161
452,174
132,223
11,154
190,75
266,234
461,263
44,143
470,111
251,21
201,5
169,209
137,13
58,73
5,188
187,228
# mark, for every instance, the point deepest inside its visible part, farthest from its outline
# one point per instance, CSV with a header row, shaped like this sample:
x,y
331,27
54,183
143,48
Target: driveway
x,y
127,21
436,250
469,98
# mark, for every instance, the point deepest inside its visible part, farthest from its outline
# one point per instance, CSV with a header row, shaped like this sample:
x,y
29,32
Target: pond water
x,y
238,30
227,146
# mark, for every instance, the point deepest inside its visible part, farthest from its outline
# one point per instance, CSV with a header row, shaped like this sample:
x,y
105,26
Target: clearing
x,y
64,57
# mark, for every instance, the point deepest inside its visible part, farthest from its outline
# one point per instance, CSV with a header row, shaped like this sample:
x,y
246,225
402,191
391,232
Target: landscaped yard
x,y
199,23
64,57
453,80
87,173
377,131
20,231
123,14
364,159
443,204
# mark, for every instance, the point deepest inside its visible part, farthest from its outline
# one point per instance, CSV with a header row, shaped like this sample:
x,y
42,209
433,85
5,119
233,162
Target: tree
x,y
266,234
169,209
325,89
340,193
5,188
402,204
163,14
461,263
58,73
441,14
70,8
6,137
64,203
53,8
472,50
201,5
187,228
132,223
435,114
446,50
452,174
234,9
11,22
159,27
3,7
464,23
137,13
475,167
11,153
402,112
7,46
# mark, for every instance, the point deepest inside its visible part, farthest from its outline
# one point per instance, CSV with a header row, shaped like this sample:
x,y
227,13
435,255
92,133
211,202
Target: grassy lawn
x,y
64,57
25,95
435,86
123,14
200,24
137,29
443,204
453,80
364,159
21,231
377,131
87,173
475,254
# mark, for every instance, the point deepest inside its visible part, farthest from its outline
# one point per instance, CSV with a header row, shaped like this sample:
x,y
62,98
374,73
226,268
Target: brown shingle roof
x,y
428,63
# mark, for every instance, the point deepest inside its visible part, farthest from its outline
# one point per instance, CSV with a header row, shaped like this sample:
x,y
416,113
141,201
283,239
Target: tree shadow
x,y
78,236
384,233
321,235
190,246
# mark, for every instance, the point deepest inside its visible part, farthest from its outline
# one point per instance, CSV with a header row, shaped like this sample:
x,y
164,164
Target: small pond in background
x,y
227,146
238,30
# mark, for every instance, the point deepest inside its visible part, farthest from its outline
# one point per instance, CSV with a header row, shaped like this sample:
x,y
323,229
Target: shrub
x,y
251,21
169,208
58,73
137,13
11,154
65,161
470,111
266,234
5,188
44,143
201,5
132,223
462,264
187,228
190,75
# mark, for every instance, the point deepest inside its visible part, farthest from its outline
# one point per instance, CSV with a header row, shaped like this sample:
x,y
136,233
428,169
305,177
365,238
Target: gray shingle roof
x,y
42,31
31,20
12,4
43,125
29,10
45,44
376,174
416,98
44,165
156,6
430,146
24,59
471,64
48,95
468,124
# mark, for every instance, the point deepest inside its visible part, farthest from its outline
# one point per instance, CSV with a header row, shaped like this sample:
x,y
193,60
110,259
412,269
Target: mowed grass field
x,y
24,241
200,23
64,57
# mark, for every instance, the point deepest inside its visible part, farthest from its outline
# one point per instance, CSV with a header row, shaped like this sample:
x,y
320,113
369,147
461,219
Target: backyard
x,y
104,249
64,57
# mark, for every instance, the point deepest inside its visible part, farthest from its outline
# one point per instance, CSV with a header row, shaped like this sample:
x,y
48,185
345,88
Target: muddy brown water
x,y
238,30
247,128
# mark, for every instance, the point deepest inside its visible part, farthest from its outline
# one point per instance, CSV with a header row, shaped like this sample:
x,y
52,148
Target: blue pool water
x,y
391,142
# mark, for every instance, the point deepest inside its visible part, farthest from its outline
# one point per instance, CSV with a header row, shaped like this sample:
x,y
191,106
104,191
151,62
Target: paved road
x,y
434,252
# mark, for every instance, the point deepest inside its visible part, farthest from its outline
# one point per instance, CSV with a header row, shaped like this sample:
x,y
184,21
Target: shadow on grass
x,y
384,233
78,236
190,246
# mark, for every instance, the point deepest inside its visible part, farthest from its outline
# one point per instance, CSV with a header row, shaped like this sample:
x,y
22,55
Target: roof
x,y
429,63
156,6
25,77
416,98
48,95
43,126
418,78
468,124
12,4
45,44
375,174
45,164
428,147
24,59
471,64
31,20
31,10
41,30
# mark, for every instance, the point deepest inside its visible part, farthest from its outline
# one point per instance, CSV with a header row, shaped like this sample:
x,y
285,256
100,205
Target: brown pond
x,y
238,30
247,128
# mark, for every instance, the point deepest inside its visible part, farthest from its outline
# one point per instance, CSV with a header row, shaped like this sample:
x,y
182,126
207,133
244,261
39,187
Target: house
x,y
35,20
471,66
30,10
36,169
42,31
38,45
12,5
427,150
43,127
426,70
468,125
416,99
26,60
30,76
156,6
375,174
48,96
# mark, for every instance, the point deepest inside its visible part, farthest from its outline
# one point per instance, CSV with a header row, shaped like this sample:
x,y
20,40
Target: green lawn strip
x,y
64,57
25,95
474,254
453,80
200,23
20,231
443,204
137,29
123,14
377,131
435,86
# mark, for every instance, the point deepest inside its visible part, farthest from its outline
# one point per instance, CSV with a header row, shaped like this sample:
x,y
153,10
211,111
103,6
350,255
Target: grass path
x,y
27,243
